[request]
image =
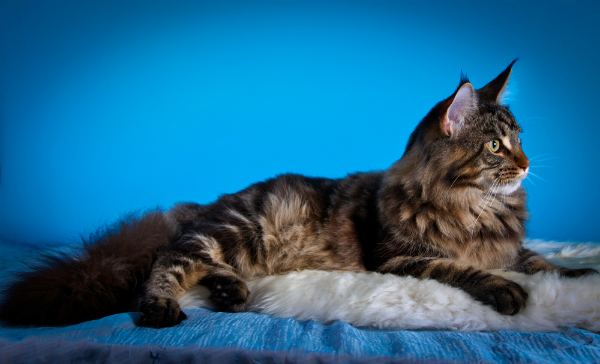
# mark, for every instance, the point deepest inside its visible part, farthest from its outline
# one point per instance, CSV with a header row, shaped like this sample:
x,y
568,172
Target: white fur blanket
x,y
391,302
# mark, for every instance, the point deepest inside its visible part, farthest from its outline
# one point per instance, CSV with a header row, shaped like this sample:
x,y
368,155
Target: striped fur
x,y
451,209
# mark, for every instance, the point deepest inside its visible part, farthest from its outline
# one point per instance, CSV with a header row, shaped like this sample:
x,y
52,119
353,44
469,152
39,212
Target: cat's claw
x,y
228,293
158,312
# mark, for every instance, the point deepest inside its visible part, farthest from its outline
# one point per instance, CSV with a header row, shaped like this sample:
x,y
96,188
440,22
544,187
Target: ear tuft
x,y
464,103
463,78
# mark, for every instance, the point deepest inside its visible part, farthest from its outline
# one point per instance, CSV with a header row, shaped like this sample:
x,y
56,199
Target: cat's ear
x,y
463,104
492,92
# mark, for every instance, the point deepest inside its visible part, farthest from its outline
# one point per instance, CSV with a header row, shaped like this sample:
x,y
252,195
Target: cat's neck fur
x,y
422,201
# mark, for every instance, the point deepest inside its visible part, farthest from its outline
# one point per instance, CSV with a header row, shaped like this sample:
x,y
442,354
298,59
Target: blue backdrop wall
x,y
114,106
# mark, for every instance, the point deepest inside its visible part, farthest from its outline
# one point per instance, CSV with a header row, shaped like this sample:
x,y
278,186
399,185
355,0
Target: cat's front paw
x,y
575,273
229,293
158,312
503,295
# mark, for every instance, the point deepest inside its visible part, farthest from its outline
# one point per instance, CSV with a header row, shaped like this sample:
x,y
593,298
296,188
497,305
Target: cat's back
x,y
324,211
293,198
290,198
319,223
289,222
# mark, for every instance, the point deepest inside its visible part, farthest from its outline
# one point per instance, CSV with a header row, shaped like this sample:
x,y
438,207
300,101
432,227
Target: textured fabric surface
x,y
250,337
208,336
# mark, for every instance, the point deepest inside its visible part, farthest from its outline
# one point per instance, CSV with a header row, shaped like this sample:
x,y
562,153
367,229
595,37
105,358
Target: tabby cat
x,y
451,209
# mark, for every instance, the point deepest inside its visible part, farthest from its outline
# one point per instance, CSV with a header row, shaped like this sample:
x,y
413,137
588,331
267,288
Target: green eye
x,y
494,145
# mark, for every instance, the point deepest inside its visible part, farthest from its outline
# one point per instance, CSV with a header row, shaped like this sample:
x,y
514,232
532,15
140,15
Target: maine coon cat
x,y
451,209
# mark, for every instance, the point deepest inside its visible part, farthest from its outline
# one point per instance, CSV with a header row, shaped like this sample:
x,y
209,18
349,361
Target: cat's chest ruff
x,y
492,232
479,212
488,253
481,230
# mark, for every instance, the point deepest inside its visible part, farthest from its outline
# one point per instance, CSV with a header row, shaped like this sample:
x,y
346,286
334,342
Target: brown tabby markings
x,y
451,209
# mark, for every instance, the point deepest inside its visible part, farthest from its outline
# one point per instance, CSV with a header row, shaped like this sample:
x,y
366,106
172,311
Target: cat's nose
x,y
522,162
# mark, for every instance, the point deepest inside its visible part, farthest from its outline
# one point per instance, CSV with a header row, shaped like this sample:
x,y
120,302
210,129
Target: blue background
x,y
110,106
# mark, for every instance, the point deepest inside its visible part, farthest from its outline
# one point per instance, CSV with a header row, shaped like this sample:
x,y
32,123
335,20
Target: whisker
x,y
503,202
535,175
538,156
456,179
487,194
543,160
530,166
487,199
529,180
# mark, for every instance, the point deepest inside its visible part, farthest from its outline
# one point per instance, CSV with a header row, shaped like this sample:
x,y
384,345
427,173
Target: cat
x,y
451,209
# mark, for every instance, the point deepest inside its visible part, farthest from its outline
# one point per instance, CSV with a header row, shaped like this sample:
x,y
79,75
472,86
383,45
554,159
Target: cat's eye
x,y
494,145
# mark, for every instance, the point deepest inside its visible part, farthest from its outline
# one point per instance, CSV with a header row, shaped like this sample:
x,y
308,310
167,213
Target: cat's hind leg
x,y
531,263
195,259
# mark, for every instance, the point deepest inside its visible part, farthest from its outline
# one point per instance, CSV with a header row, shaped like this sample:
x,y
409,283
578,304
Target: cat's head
x,y
470,139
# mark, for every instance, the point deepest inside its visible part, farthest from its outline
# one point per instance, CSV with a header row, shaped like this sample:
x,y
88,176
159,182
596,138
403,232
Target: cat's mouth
x,y
513,182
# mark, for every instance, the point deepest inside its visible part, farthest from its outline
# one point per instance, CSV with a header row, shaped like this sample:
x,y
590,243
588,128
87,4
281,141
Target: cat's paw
x,y
158,312
229,293
575,273
503,295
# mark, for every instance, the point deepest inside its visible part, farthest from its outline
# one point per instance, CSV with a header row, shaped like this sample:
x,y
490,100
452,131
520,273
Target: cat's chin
x,y
507,189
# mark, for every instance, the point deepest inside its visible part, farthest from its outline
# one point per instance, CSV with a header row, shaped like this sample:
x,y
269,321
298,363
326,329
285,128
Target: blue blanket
x,y
208,336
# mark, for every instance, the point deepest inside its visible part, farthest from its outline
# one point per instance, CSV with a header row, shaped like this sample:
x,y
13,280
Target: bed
x,y
318,326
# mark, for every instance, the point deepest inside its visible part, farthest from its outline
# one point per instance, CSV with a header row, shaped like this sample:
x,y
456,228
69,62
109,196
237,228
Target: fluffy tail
x,y
101,280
